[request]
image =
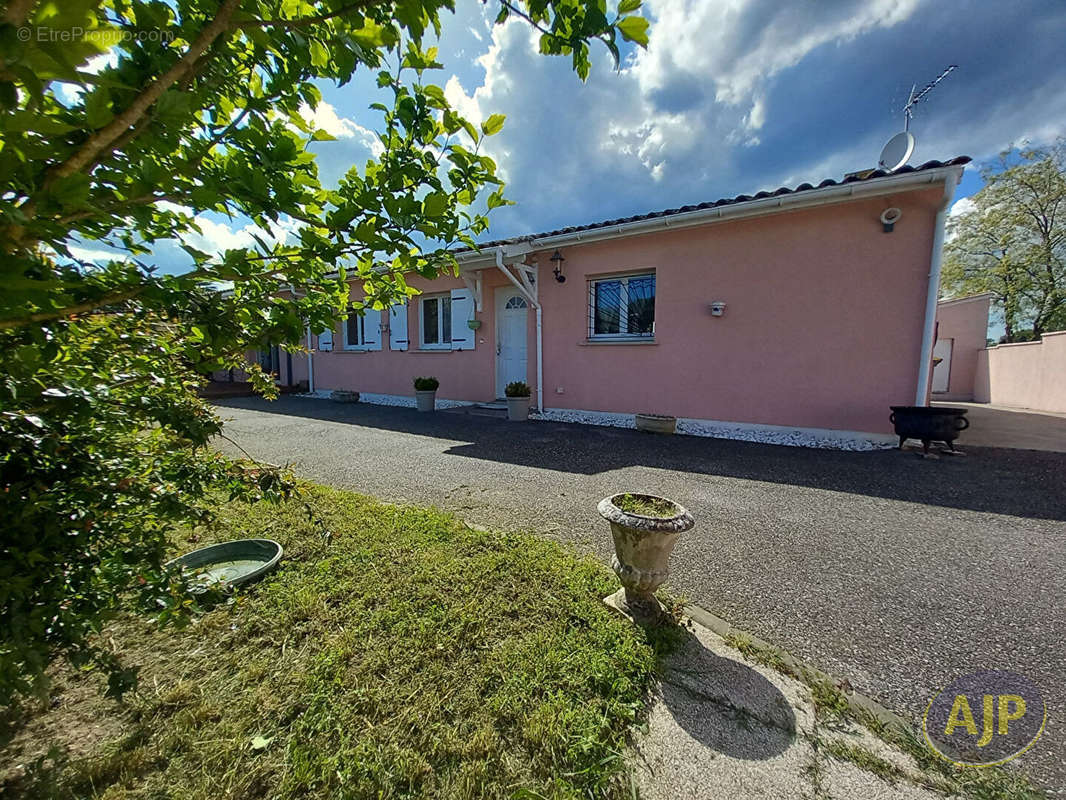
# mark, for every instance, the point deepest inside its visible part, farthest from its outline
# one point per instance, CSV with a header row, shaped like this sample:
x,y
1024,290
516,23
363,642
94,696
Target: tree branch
x,y
103,139
70,311
17,11
301,22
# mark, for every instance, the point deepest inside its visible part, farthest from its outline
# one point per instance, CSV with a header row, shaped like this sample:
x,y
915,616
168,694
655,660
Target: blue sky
x,y
730,97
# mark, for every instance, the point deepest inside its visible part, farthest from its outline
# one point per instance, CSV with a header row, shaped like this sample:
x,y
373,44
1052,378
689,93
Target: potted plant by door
x,y
645,529
517,401
426,393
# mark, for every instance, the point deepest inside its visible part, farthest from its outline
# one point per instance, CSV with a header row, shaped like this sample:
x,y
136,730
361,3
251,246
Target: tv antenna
x,y
916,95
900,147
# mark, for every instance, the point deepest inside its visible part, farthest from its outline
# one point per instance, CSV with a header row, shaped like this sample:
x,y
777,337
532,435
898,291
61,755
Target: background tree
x,y
1013,242
205,107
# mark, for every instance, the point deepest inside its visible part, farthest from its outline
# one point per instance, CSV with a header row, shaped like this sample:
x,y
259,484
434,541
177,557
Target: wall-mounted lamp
x,y
889,218
557,266
717,308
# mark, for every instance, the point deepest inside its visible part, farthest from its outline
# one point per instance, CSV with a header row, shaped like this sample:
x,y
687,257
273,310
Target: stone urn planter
x,y
518,394
344,396
426,393
645,529
656,423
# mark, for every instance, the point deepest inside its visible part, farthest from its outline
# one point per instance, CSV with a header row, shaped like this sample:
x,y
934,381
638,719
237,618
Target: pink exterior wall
x,y
1024,375
822,328
463,374
965,322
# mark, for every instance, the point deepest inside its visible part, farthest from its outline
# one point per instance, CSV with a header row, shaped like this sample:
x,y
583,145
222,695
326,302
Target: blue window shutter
x,y
462,311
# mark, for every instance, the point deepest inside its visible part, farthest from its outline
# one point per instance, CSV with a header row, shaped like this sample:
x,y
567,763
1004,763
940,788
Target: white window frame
x,y
442,329
623,320
360,345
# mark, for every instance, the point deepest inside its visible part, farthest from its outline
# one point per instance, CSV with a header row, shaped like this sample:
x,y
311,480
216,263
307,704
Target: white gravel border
x,y
763,434
819,438
398,400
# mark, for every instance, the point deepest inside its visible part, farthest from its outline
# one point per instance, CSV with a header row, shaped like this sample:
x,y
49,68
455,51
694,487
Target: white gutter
x,y
540,323
925,360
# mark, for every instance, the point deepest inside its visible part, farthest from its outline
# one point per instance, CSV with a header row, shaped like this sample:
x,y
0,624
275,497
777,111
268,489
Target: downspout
x,y
540,359
540,325
925,362
310,365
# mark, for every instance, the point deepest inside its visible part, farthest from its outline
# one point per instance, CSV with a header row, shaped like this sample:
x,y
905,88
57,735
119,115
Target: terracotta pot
x,y
518,409
426,400
642,548
656,423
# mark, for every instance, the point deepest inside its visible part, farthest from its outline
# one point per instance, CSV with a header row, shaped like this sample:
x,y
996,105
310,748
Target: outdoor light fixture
x,y
557,266
889,218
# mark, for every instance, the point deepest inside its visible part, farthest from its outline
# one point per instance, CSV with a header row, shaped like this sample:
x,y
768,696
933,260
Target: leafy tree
x,y
1013,243
204,107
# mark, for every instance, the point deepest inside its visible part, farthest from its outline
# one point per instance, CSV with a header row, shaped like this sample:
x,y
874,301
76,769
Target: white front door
x,y
942,371
511,336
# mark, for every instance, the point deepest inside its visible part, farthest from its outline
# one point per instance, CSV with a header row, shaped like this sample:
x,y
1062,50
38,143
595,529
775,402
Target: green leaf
x,y
435,204
493,124
72,191
261,742
627,6
496,199
322,135
319,54
98,108
634,29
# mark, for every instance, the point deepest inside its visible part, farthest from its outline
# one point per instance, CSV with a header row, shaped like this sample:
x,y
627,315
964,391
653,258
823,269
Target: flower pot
x,y
426,400
656,423
518,409
344,396
473,324
642,547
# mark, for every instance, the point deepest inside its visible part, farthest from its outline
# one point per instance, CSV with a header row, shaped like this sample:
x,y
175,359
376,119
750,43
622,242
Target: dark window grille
x,y
622,307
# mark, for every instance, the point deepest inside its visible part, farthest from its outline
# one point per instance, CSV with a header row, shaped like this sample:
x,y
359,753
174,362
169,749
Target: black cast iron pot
x,y
929,424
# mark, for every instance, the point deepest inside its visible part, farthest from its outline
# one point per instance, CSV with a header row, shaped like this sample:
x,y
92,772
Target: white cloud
x,y
964,205
742,95
670,118
216,237
325,117
94,255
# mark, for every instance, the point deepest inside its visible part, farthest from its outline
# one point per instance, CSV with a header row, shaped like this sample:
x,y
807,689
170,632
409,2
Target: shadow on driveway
x,y
1022,483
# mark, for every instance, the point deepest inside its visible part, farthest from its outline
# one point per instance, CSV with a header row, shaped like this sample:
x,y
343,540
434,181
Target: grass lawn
x,y
409,656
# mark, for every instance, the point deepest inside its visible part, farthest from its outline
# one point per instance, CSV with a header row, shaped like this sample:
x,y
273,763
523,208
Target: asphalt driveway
x,y
893,571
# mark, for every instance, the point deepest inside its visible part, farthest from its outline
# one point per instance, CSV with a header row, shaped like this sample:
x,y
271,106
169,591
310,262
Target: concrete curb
x,y
859,704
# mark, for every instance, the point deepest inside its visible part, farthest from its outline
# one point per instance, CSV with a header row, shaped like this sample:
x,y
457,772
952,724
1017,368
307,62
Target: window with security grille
x,y
622,307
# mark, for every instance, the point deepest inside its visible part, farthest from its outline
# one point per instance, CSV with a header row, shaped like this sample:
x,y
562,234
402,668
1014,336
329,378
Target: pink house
x,y
798,310
961,335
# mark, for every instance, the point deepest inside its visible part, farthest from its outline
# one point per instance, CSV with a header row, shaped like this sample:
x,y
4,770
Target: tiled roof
x,y
868,175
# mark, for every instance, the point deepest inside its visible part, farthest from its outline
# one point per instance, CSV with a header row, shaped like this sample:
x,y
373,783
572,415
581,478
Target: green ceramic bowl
x,y
229,563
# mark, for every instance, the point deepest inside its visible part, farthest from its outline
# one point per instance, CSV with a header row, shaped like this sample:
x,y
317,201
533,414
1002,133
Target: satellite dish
x,y
898,150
